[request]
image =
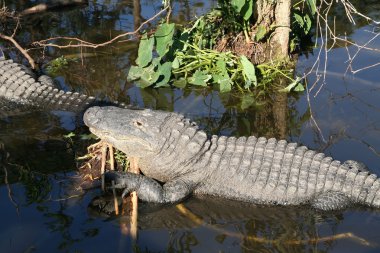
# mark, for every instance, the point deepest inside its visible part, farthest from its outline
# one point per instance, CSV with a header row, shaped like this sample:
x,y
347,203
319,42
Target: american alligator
x,y
178,159
175,152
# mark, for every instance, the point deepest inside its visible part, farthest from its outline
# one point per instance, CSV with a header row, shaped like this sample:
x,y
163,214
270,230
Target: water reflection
x,y
202,223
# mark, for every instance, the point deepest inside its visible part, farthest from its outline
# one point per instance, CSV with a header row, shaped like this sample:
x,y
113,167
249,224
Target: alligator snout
x,y
90,117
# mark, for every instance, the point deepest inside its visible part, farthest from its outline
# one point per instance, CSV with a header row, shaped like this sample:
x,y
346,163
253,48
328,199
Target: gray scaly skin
x,y
174,152
19,86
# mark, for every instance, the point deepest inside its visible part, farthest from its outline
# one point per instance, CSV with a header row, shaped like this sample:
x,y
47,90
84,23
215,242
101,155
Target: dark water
x,y
41,210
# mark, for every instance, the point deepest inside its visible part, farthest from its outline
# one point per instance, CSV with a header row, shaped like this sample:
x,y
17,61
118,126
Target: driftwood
x,y
134,168
53,6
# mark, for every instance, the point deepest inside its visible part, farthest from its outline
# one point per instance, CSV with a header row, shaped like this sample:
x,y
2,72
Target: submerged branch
x,y
134,199
199,221
10,194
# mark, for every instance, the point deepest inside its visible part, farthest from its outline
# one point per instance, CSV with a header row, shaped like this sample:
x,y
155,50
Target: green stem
x,y
276,70
245,30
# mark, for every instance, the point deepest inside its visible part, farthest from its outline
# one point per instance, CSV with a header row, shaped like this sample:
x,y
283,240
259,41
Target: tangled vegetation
x,y
210,52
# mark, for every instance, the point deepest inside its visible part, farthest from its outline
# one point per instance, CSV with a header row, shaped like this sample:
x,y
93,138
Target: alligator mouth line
x,y
114,138
105,134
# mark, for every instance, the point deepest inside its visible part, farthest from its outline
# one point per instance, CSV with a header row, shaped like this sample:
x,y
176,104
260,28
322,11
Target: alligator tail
x,y
19,85
2,56
371,191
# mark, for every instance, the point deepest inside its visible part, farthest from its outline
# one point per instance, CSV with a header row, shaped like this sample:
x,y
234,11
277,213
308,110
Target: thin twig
x,y
83,43
312,119
22,50
328,33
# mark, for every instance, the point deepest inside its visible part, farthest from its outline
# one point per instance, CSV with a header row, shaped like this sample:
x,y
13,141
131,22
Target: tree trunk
x,y
280,39
271,16
275,15
136,13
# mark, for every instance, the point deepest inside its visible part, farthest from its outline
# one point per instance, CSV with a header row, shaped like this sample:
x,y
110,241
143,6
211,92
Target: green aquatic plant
x,y
179,56
166,57
55,66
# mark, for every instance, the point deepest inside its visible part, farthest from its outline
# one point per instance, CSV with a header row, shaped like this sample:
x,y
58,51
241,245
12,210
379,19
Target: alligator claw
x,y
125,181
125,193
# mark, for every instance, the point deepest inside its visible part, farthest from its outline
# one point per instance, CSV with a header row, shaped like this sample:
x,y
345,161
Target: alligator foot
x,y
127,181
148,189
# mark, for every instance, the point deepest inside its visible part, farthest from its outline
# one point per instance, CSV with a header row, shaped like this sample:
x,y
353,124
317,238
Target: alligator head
x,y
134,132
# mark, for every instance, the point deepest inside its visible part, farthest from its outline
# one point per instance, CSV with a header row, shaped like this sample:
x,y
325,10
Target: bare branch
x,y
22,50
83,43
328,34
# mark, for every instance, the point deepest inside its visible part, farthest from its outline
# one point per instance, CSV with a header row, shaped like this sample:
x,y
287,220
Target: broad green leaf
x,y
248,70
312,6
247,10
155,63
134,73
147,80
176,63
307,27
299,87
221,67
145,51
247,84
295,84
164,38
148,76
292,45
246,101
261,32
224,81
164,70
199,78
225,85
237,5
180,83
299,20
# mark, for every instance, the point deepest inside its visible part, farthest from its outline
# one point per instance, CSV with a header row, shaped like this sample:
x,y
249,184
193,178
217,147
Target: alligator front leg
x,y
148,189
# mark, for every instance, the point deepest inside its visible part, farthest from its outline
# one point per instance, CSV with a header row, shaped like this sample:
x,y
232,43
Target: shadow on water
x,y
43,211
